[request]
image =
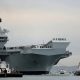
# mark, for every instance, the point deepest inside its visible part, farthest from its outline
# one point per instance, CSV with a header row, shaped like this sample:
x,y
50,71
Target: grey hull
x,y
33,63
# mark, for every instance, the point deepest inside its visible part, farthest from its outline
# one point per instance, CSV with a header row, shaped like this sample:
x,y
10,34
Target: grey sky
x,y
32,21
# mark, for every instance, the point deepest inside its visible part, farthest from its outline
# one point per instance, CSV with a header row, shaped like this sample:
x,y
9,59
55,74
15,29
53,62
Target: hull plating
x,y
33,63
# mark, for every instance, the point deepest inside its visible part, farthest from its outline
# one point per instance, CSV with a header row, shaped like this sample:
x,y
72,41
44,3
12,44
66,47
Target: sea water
x,y
43,77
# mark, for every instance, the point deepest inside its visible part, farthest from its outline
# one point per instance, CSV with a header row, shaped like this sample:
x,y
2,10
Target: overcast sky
x,y
38,21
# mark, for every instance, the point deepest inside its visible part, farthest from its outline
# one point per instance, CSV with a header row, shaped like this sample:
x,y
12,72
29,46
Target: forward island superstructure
x,y
34,59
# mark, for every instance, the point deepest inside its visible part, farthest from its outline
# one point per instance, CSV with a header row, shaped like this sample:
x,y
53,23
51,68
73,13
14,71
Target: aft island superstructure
x,y
34,59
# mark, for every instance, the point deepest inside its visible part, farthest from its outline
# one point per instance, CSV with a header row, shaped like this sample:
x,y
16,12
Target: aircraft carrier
x,y
34,59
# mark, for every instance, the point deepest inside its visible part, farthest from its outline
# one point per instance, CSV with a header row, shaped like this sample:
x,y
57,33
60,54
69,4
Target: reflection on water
x,y
44,77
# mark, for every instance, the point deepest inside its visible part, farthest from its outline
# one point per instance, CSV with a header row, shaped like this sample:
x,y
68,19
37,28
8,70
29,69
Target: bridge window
x,y
3,37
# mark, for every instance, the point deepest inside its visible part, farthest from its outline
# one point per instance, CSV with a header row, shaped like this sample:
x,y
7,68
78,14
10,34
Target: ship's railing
x,y
3,52
40,46
12,49
43,46
18,48
9,50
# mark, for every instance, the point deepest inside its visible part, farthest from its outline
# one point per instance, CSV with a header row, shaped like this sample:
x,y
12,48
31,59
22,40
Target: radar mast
x,y
3,37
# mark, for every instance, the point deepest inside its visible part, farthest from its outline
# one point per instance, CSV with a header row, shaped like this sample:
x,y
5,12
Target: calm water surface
x,y
44,78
